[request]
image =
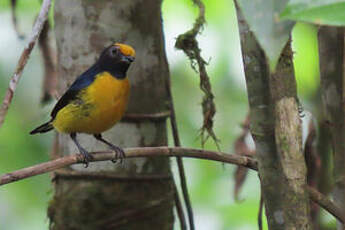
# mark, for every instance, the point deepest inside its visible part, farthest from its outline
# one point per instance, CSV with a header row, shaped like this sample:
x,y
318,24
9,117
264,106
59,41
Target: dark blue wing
x,y
83,81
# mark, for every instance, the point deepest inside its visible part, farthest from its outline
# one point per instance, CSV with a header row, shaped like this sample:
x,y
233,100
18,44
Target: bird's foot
x,y
87,157
119,153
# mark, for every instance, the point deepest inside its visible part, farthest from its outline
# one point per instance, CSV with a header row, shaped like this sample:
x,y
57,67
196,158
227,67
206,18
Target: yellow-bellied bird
x,y
96,101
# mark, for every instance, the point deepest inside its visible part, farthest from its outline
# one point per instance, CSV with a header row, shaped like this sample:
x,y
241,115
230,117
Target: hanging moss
x,y
189,45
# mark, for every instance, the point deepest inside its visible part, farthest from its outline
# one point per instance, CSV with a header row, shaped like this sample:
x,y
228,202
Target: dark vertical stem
x,y
14,19
49,61
179,209
179,160
261,206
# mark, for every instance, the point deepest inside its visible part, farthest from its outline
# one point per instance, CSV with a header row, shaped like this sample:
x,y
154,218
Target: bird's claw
x,y
87,157
119,154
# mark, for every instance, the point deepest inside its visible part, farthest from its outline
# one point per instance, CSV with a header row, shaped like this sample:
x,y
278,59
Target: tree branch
x,y
130,153
248,162
42,17
326,203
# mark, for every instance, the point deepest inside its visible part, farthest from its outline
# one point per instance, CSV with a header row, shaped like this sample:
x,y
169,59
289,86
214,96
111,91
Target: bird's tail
x,y
43,128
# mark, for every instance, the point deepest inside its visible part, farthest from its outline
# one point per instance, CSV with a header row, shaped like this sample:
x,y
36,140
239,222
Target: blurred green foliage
x,y
23,204
306,59
320,12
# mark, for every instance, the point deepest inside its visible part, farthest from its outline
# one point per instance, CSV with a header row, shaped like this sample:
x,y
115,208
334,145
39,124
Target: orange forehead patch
x,y
126,49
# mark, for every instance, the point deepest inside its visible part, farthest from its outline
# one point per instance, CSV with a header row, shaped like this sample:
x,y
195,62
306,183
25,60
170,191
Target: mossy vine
x,y
189,45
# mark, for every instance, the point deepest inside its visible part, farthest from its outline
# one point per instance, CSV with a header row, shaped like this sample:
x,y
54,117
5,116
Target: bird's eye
x,y
113,51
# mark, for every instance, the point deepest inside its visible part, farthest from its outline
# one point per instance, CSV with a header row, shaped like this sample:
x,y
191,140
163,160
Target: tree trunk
x,y
332,67
276,129
137,194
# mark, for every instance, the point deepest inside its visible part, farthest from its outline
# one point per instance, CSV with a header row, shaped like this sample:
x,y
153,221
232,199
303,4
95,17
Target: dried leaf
x,y
242,148
313,162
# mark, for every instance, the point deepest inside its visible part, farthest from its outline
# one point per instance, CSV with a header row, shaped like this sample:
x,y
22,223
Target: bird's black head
x,y
116,59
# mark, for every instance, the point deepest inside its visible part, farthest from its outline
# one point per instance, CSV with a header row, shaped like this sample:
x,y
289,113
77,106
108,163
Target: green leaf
x,y
306,58
263,19
320,12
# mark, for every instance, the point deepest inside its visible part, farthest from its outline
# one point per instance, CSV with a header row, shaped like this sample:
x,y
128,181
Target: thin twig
x,y
130,153
182,174
14,19
52,165
49,62
42,17
181,170
261,206
179,209
326,203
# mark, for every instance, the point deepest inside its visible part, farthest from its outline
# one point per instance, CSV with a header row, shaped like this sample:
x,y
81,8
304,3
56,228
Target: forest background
x,y
23,204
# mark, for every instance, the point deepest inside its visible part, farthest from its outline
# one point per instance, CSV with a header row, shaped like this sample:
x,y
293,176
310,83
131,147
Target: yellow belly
x,y
102,105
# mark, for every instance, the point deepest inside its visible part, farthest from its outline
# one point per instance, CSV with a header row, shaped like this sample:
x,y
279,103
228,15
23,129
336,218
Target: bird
x,y
95,101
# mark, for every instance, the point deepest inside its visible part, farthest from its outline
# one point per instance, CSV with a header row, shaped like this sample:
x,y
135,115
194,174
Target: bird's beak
x,y
128,59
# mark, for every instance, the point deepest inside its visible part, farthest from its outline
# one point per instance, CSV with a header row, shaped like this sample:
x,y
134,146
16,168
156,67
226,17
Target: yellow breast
x,y
101,106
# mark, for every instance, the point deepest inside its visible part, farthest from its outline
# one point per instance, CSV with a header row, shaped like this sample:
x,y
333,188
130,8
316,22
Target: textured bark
x,y
83,28
331,50
276,129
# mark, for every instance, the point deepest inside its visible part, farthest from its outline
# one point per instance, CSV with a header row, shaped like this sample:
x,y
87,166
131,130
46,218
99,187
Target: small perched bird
x,y
96,100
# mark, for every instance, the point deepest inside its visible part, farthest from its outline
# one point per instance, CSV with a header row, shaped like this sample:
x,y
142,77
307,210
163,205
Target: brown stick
x,y
50,77
49,166
179,161
42,17
14,19
179,209
261,207
326,203
130,153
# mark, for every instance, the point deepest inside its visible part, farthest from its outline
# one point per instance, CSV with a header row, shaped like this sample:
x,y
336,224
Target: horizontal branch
x,y
130,153
248,162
